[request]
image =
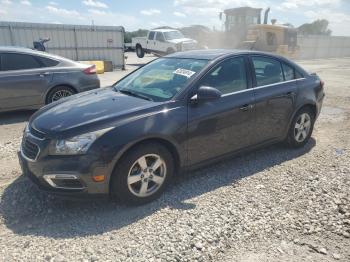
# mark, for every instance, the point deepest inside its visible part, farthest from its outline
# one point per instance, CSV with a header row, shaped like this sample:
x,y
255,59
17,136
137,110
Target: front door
x,y
222,126
160,43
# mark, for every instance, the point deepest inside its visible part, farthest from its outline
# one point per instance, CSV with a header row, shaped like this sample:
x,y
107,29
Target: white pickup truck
x,y
162,42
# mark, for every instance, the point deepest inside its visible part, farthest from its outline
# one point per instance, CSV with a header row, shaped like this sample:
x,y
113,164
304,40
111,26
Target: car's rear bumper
x,y
319,104
93,84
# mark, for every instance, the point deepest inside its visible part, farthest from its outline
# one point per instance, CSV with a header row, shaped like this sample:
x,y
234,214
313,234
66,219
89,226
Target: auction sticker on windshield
x,y
184,72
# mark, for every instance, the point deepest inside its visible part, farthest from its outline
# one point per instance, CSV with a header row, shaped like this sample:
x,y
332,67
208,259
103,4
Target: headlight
x,y
76,145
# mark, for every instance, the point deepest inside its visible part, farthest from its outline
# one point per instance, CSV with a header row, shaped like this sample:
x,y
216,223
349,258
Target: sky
x,y
135,14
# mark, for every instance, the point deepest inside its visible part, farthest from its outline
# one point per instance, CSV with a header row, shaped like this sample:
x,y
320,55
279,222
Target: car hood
x,y
89,110
182,40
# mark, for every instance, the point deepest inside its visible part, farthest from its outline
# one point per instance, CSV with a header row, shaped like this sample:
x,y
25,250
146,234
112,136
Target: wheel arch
x,y
310,105
170,50
173,149
57,85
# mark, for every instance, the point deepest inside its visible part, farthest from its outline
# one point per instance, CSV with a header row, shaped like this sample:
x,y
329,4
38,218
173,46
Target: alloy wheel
x,y
302,127
60,94
146,175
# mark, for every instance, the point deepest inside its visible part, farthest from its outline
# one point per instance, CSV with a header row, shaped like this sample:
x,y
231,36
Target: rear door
x,y
151,43
275,89
23,80
224,125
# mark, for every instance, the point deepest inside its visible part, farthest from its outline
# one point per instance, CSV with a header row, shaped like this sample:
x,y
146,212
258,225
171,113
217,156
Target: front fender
x,y
168,125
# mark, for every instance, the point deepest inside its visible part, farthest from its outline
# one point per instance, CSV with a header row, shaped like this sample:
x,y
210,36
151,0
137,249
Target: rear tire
x,y
58,93
139,51
301,128
142,174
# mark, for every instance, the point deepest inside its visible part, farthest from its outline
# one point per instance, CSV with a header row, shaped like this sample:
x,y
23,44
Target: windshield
x,y
173,35
161,79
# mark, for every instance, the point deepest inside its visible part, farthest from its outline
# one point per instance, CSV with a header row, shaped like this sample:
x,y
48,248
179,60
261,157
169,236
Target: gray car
x,y
30,79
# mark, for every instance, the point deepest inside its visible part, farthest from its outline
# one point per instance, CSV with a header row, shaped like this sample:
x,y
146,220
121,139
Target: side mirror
x,y
206,93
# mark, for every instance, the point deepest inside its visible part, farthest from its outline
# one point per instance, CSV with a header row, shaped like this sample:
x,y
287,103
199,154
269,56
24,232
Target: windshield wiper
x,y
131,93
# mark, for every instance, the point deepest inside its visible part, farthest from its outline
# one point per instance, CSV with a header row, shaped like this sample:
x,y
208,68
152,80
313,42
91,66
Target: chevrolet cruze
x,y
178,112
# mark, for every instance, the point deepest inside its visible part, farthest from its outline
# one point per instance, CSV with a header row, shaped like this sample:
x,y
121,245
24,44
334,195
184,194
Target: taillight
x,y
322,83
90,70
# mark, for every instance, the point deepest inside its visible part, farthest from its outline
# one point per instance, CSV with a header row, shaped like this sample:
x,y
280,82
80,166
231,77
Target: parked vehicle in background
x,y
177,112
162,42
30,79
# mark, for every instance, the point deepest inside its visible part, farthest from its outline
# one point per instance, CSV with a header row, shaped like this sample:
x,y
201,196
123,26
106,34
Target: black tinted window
x,y
229,76
298,74
160,37
288,72
267,71
18,62
47,62
151,35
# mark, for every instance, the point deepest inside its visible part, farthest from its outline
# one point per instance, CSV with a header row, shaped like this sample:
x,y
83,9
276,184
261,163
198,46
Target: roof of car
x,y
14,48
29,51
164,30
211,54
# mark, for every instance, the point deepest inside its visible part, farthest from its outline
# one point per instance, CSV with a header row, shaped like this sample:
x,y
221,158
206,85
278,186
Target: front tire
x,y
301,128
143,174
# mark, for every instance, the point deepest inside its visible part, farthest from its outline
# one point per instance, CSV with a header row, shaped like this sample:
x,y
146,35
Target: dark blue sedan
x,y
178,112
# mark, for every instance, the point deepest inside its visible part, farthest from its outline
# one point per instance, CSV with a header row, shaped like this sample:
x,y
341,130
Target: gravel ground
x,y
274,204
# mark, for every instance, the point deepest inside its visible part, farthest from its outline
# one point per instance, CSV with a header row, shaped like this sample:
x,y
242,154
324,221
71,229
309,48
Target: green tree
x,y
318,27
129,35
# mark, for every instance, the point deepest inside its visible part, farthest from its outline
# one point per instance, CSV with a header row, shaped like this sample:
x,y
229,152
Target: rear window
x,y
298,74
47,62
18,62
288,72
267,71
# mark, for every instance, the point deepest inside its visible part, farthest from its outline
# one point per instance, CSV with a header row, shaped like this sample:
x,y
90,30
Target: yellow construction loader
x,y
244,30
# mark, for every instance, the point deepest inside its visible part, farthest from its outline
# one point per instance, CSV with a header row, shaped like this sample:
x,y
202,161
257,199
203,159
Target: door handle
x,y
44,74
290,93
246,107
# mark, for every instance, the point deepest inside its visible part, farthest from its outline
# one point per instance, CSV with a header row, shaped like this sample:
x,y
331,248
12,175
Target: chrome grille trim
x,y
29,158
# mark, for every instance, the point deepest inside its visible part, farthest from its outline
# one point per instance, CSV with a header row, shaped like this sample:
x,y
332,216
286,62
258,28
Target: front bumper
x,y
68,176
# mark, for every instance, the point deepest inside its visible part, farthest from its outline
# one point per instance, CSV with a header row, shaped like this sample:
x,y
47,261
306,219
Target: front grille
x,y
29,149
37,133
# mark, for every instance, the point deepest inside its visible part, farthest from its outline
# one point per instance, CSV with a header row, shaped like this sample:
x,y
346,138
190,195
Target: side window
x,y
298,75
160,37
47,62
229,76
151,35
288,72
267,71
18,62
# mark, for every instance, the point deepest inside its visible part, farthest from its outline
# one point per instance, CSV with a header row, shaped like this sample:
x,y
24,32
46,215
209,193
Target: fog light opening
x,y
64,181
98,178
